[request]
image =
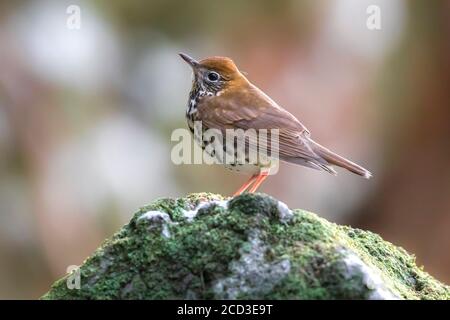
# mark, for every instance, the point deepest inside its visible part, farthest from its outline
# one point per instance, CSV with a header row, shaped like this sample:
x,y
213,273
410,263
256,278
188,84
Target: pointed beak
x,y
191,61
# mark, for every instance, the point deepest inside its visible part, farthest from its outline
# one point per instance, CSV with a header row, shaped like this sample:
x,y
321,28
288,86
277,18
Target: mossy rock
x,y
248,247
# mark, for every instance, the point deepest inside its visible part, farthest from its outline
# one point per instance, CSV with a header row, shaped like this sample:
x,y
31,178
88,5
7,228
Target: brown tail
x,y
335,159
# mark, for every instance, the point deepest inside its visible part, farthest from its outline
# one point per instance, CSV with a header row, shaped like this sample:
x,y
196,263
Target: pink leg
x,y
261,177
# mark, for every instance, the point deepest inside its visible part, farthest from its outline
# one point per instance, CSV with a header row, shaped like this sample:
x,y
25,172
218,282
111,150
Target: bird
x,y
223,98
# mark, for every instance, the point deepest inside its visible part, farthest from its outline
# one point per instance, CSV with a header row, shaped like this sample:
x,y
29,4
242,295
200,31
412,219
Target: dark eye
x,y
213,76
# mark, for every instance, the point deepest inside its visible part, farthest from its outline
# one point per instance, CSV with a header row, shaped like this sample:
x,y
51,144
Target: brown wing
x,y
252,109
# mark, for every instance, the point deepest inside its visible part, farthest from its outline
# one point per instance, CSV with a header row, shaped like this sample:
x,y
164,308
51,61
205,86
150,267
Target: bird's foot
x,y
256,180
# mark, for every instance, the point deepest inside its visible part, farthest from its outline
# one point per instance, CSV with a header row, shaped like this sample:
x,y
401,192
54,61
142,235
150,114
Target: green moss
x,y
319,274
252,204
400,268
140,262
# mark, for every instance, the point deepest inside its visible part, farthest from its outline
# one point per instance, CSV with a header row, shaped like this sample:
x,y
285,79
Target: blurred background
x,y
86,116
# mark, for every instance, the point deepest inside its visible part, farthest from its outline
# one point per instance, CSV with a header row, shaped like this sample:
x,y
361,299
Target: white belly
x,y
246,168
262,163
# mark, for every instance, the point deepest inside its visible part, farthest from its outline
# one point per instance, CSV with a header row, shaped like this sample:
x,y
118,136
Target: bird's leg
x,y
246,185
261,177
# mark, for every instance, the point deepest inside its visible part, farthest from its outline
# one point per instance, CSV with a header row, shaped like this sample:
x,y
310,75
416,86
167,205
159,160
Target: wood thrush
x,y
223,98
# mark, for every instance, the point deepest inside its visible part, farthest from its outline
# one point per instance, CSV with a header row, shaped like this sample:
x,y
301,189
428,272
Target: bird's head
x,y
214,74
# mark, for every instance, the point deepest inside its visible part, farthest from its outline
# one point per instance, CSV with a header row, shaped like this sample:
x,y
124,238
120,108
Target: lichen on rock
x,y
252,274
248,247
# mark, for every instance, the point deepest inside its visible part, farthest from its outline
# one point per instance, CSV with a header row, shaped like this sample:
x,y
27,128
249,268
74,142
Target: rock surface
x,y
248,247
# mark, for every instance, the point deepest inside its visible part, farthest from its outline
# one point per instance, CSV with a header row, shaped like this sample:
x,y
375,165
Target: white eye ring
x,y
213,76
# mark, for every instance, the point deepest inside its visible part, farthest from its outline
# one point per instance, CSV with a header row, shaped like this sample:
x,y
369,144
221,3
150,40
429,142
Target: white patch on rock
x,y
251,274
191,214
370,276
284,213
158,218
